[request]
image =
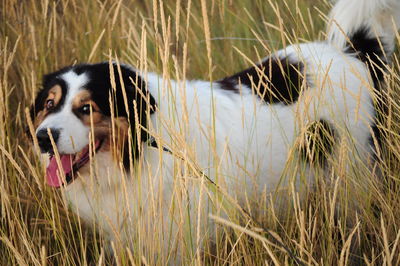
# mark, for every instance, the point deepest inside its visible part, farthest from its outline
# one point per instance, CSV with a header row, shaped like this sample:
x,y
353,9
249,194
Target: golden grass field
x,y
345,219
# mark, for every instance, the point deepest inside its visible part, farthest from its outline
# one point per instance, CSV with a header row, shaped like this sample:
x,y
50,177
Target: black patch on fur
x,y
99,84
229,85
276,80
369,50
319,142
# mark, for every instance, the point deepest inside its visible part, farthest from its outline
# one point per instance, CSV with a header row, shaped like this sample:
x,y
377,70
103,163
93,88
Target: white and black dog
x,y
126,140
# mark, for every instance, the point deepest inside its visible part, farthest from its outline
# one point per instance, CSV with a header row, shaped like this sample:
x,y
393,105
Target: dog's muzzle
x,y
44,140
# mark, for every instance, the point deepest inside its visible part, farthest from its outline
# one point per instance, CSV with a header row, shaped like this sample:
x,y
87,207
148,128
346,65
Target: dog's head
x,y
86,100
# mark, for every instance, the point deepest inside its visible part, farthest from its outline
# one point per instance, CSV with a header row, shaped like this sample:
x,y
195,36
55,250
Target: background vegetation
x,y
349,220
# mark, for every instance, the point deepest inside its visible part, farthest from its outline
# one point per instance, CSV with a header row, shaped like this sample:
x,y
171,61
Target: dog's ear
x,y
137,103
133,100
126,88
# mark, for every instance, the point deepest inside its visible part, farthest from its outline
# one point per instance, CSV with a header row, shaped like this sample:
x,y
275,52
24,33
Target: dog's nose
x,y
44,139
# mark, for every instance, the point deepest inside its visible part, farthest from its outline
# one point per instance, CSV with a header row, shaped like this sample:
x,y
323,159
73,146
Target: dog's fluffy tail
x,y
366,26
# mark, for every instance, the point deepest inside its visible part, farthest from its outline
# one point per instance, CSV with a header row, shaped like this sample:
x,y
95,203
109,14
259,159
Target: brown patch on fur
x,y
102,125
117,145
83,98
121,143
55,94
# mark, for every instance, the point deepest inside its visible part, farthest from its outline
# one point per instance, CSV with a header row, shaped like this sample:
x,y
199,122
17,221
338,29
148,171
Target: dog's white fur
x,y
235,138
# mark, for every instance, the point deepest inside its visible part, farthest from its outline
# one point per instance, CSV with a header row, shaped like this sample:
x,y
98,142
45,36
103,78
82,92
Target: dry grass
x,y
348,219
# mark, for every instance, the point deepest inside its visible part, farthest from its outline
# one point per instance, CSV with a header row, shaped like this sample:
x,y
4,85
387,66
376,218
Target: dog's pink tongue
x,y
52,172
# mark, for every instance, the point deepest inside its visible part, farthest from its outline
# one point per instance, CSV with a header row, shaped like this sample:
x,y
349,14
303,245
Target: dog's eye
x,y
49,104
85,109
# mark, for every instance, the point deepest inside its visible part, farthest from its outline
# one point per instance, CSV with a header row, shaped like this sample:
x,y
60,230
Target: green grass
x,y
350,218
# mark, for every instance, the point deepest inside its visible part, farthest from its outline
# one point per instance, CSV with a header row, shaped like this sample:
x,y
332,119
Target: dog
x,y
123,144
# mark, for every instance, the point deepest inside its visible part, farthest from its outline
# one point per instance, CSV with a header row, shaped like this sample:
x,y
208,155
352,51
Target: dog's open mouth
x,y
70,164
